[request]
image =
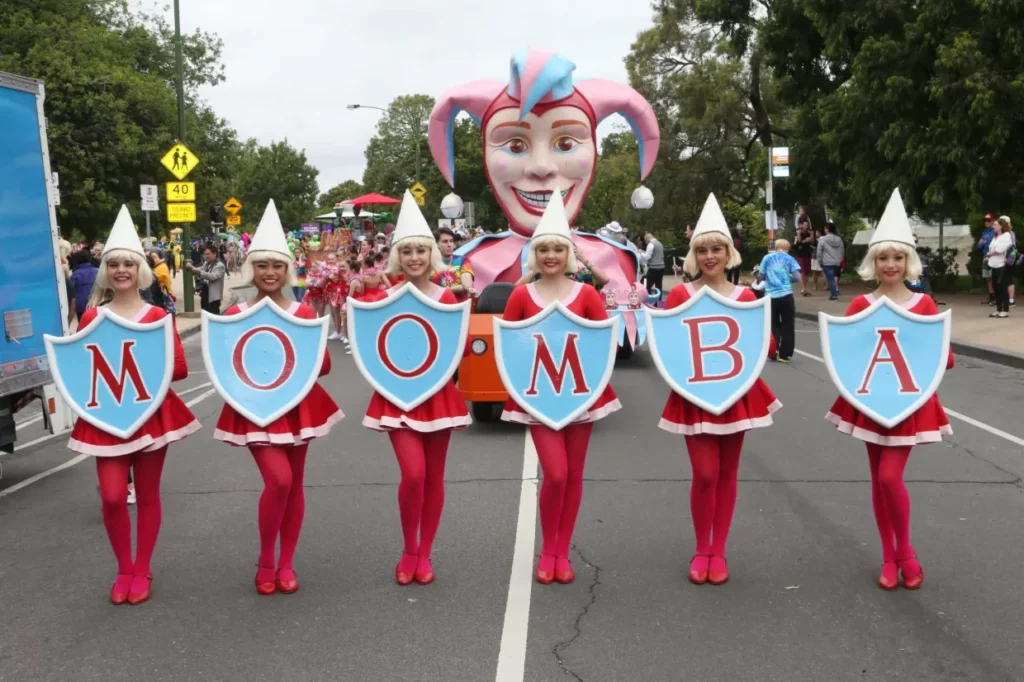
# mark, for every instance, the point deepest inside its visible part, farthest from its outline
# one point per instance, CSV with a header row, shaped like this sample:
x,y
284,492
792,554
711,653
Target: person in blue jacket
x,y
83,277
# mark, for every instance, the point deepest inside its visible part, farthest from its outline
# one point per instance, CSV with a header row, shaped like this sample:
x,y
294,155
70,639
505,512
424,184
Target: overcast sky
x,y
293,65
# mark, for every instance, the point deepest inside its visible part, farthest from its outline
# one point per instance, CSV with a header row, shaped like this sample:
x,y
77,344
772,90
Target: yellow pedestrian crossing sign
x,y
180,161
418,190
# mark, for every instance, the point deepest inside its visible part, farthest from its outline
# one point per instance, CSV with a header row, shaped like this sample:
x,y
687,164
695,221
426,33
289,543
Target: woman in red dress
x,y
420,436
562,454
891,260
714,442
123,271
280,447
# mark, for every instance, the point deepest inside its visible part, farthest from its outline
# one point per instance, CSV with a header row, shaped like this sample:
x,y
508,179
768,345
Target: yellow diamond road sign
x,y
180,161
232,206
418,190
181,213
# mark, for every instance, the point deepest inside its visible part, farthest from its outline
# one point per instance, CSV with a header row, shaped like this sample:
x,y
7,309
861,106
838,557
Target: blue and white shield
x,y
408,345
263,361
886,361
555,365
114,373
711,349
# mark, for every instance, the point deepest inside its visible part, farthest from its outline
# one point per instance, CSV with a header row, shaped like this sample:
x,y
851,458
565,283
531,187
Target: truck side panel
x,y
32,294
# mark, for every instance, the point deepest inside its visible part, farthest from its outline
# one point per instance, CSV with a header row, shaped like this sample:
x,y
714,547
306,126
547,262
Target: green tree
x,y
110,104
391,160
279,172
718,110
350,189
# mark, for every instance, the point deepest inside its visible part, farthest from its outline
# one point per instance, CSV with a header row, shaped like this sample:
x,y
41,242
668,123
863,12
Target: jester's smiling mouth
x,y
536,202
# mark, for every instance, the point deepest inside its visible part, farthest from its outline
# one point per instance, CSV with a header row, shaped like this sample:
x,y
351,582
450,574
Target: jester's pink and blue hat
x,y
539,81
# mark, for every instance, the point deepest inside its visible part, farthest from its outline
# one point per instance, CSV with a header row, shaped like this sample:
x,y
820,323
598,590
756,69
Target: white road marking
x,y
512,654
29,421
193,389
75,460
952,413
39,417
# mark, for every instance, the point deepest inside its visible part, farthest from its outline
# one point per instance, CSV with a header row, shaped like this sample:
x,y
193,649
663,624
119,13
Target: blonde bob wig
x,y
707,239
867,266
249,274
395,264
571,266
103,292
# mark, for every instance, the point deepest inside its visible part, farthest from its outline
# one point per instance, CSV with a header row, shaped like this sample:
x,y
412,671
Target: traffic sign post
x,y
233,206
150,202
180,161
181,191
419,193
181,213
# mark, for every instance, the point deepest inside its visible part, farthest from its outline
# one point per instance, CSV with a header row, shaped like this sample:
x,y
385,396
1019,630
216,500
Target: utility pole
x,y
186,235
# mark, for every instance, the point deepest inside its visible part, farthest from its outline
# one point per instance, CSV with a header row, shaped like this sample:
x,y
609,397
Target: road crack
x,y
561,647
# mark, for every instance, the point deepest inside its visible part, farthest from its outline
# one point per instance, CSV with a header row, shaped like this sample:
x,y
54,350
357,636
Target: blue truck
x,y
33,297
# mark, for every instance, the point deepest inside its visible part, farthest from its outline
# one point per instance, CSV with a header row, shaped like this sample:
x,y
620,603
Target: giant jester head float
x,y
540,134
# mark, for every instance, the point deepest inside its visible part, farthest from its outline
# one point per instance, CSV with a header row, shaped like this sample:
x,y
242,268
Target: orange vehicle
x,y
478,376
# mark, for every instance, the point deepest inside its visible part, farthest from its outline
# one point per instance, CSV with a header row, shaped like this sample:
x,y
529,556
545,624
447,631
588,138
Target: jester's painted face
x,y
527,161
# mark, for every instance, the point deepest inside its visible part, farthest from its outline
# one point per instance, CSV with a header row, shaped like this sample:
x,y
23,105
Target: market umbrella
x,y
373,198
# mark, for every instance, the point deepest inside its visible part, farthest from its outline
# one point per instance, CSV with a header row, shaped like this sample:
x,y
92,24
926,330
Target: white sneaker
x,y
333,336
131,495
348,350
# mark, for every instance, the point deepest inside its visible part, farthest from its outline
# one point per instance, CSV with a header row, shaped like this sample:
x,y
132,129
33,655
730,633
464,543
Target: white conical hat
x,y
554,223
894,225
711,219
270,234
411,222
123,236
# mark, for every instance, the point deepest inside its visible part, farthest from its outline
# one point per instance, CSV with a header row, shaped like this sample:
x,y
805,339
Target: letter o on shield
x,y
238,358
432,346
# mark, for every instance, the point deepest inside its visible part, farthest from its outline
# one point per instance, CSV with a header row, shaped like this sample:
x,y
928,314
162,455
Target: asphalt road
x,y
801,603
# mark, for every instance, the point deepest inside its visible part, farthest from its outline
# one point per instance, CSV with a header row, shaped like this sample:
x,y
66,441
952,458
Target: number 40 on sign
x,y
181,191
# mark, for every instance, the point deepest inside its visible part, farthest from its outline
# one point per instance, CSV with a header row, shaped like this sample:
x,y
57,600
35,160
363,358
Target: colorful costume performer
x,y
143,453
420,436
540,135
563,453
714,442
889,448
280,447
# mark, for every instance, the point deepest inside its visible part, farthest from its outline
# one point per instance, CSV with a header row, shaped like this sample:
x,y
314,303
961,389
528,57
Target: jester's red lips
x,y
535,202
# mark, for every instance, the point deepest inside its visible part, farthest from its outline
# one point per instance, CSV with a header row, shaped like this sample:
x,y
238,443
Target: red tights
x,y
283,502
891,500
562,455
421,459
113,478
716,462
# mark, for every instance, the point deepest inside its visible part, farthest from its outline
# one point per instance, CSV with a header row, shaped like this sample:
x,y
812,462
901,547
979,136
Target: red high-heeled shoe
x,y
916,579
546,569
265,580
405,571
424,571
139,592
287,581
563,570
122,587
890,578
699,569
718,570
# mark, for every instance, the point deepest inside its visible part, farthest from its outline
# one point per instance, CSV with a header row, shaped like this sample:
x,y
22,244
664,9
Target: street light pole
x,y
186,235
